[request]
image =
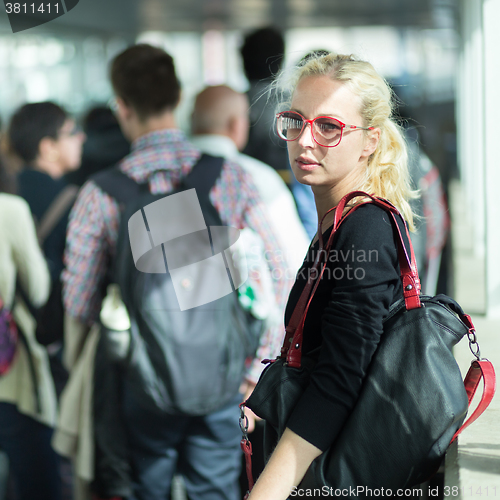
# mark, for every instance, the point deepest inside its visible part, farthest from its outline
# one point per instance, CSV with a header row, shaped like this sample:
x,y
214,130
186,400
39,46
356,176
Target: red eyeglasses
x,y
326,131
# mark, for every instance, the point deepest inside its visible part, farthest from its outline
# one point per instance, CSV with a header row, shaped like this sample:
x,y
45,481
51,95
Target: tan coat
x,y
74,435
20,256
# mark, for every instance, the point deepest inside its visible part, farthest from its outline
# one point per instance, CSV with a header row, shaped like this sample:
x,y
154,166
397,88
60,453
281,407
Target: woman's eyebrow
x,y
331,115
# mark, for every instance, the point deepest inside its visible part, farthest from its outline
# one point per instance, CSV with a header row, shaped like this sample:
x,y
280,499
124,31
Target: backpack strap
x,y
55,212
204,174
117,184
122,188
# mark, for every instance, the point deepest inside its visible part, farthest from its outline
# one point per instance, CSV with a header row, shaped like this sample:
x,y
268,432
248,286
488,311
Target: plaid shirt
x,y
162,158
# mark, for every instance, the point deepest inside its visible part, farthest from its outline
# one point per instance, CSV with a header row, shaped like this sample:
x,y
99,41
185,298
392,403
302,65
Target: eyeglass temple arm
x,y
353,127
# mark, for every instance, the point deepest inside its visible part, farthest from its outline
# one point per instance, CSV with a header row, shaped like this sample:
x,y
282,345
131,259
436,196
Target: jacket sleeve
x,y
93,222
29,260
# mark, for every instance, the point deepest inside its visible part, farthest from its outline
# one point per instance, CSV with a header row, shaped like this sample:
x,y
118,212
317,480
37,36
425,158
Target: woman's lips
x,y
306,165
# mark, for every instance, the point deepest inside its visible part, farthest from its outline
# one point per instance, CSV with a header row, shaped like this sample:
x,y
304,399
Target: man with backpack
x,y
162,233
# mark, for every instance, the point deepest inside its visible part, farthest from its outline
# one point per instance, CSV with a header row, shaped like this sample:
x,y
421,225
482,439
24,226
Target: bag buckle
x,y
246,447
473,344
243,421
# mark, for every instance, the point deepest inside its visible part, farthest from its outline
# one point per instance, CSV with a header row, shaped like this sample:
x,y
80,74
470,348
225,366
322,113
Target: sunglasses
x,y
326,131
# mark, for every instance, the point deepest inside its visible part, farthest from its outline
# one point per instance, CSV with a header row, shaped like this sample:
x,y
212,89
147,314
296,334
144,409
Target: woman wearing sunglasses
x,y
340,138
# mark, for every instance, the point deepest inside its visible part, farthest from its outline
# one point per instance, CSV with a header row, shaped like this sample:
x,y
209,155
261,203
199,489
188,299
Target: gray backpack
x,y
187,352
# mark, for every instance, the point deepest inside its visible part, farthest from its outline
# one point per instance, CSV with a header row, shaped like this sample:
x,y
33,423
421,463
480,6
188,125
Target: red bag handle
x,y
407,264
480,369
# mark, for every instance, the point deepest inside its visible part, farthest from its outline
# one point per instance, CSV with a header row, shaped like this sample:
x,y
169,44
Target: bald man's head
x,y
221,110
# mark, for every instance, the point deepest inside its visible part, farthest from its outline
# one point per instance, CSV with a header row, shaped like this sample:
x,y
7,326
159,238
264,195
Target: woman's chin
x,y
304,177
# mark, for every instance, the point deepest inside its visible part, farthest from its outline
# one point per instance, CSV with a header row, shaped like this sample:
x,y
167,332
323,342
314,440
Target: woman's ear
x,y
371,142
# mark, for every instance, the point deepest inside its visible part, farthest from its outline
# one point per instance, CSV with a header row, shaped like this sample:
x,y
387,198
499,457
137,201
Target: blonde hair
x,y
387,173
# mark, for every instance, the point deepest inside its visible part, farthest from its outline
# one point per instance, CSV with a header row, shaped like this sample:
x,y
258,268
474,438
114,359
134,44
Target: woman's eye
x,y
293,123
329,126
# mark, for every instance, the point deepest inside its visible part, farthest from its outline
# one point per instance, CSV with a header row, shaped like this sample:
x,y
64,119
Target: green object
x,y
246,296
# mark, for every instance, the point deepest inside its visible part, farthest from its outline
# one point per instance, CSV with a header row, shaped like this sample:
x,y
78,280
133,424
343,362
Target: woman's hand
x,y
286,468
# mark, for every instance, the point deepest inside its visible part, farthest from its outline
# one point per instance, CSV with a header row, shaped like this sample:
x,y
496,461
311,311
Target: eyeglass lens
x,y
75,130
326,131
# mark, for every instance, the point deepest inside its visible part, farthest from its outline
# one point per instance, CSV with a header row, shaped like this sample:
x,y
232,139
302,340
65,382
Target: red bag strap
x,y
407,264
292,344
480,369
300,308
246,447
300,311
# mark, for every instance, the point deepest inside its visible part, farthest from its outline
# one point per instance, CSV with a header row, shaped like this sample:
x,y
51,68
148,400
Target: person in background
x,y
263,52
433,220
105,144
219,126
7,185
49,143
27,394
341,138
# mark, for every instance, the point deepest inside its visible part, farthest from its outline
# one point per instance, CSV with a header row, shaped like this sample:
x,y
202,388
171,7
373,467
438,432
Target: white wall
x,y
478,109
491,41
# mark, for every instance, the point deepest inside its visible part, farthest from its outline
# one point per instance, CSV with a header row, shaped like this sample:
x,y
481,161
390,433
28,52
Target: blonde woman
x,y
340,138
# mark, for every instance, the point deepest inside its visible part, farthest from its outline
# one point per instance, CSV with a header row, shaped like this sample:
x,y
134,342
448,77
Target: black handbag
x,y
413,400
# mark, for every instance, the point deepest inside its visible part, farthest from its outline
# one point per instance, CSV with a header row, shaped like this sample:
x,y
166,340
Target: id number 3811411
x,y
471,491
27,8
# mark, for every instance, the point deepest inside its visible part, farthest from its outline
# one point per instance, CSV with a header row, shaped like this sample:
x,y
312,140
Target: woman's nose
x,y
306,139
